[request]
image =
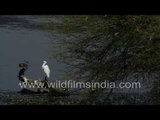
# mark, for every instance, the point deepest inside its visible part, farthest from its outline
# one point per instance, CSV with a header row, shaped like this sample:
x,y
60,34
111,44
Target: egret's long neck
x,y
44,64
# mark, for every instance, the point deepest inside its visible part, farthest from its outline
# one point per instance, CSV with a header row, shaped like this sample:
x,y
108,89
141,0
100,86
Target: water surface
x,y
23,38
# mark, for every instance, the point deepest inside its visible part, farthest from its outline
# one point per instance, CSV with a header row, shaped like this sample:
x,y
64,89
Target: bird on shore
x,y
46,69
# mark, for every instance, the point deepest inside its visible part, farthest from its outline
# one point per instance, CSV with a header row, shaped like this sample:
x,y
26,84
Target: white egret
x,y
46,69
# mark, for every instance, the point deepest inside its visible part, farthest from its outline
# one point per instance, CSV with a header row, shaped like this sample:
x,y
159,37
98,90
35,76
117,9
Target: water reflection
x,y
22,38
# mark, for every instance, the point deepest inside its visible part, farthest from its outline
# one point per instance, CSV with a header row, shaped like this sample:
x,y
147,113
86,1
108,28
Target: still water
x,y
21,39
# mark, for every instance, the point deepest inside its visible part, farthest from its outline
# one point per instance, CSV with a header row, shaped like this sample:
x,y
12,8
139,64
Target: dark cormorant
x,y
24,67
